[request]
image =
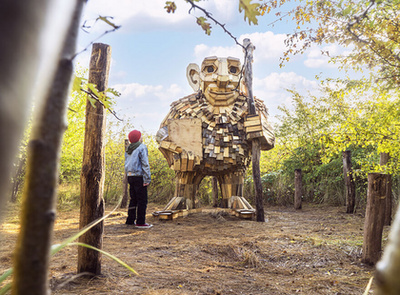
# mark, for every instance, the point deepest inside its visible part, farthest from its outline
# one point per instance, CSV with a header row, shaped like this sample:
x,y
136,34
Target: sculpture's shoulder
x,y
261,107
179,106
184,102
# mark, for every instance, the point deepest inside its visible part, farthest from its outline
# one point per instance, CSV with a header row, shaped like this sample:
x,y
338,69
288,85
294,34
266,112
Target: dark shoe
x,y
130,223
146,225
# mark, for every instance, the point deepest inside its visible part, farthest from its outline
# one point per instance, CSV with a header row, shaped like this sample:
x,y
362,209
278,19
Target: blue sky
x,y
151,50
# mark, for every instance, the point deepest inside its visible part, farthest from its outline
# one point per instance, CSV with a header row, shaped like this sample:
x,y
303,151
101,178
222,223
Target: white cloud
x,y
146,105
272,89
268,46
142,15
317,58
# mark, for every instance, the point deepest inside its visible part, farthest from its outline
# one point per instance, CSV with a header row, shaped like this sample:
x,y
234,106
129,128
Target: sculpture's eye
x,y
233,70
210,69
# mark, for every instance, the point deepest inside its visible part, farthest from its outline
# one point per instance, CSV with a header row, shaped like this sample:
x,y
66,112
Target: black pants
x,y
138,202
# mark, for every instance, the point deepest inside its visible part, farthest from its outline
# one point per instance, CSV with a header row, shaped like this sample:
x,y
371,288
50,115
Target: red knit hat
x,y
134,136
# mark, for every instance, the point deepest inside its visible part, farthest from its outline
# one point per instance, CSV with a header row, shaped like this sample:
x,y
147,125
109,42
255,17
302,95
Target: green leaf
x,y
107,254
5,289
201,21
113,92
170,6
251,10
108,22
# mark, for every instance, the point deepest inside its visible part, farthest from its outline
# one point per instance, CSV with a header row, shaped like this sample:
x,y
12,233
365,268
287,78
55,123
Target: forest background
x,y
359,115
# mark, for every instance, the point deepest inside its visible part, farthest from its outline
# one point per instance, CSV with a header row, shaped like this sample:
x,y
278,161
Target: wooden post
x,y
214,183
388,202
350,186
124,201
374,217
92,175
298,189
384,159
255,143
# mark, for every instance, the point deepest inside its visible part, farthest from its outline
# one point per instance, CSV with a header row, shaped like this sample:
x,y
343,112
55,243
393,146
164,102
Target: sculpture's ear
x,y
193,76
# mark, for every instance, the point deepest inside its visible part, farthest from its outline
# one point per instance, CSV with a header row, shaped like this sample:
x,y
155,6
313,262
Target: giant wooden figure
x,y
209,133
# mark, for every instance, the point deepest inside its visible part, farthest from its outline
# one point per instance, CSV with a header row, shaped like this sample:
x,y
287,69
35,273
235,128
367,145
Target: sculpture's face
x,y
219,79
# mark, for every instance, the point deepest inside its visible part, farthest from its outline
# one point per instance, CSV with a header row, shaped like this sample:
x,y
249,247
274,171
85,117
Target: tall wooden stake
x,y
255,143
92,175
374,217
350,185
298,189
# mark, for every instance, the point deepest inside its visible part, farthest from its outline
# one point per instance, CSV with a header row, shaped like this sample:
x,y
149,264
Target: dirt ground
x,y
316,250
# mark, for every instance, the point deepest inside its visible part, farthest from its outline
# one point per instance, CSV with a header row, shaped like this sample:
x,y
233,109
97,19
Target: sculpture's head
x,y
218,79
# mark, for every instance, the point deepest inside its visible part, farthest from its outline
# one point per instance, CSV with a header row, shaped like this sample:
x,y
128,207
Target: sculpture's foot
x,y
177,207
241,207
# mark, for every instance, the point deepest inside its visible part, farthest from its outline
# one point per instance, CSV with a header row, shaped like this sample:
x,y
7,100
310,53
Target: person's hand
x,y
146,184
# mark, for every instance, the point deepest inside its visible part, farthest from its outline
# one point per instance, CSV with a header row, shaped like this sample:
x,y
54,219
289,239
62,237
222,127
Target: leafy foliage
x,y
370,27
251,11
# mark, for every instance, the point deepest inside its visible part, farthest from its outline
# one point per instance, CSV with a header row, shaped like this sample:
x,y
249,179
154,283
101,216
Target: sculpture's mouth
x,y
221,92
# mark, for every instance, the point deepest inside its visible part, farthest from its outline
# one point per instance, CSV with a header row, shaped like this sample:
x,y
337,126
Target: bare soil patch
x,y
316,250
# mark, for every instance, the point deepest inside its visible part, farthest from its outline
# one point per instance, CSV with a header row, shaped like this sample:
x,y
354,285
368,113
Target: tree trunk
x,y
255,143
214,183
298,189
384,159
124,201
350,186
374,217
388,202
256,153
92,175
38,211
21,23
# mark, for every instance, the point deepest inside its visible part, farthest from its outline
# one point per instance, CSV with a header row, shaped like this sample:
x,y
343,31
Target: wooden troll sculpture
x,y
209,132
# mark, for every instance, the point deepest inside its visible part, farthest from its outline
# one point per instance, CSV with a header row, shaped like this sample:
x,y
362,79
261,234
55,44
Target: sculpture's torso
x,y
224,139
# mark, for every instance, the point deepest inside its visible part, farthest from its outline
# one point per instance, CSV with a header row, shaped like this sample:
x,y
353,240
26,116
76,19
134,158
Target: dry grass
x,y
313,251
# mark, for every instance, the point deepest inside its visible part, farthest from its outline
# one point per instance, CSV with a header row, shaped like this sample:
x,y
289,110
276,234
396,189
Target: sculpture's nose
x,y
222,81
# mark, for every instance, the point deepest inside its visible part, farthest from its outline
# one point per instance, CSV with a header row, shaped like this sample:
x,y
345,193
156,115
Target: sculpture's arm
x,y
257,126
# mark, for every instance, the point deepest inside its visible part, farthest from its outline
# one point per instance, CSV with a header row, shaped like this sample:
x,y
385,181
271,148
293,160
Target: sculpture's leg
x,y
187,184
231,185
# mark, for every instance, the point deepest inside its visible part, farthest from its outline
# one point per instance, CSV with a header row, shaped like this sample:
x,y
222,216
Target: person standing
x,y
137,169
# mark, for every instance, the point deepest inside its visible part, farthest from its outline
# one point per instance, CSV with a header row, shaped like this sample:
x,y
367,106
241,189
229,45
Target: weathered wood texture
x,y
31,259
186,133
374,217
92,175
259,198
384,159
350,186
248,82
298,189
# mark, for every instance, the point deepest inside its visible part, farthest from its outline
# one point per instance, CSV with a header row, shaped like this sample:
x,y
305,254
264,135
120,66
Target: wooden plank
x,y
187,134
252,123
254,128
190,163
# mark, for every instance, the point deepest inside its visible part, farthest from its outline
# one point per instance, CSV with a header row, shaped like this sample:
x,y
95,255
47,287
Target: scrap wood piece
x,y
186,134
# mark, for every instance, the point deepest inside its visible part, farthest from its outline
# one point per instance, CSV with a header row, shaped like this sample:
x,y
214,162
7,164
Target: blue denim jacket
x,y
137,163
